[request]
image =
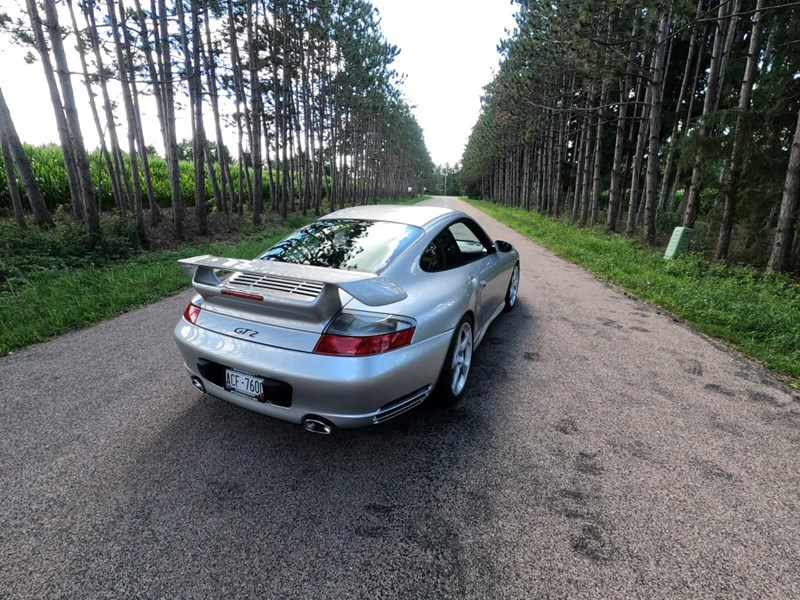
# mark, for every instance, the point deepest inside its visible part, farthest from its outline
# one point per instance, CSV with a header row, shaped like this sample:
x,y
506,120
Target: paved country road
x,y
603,451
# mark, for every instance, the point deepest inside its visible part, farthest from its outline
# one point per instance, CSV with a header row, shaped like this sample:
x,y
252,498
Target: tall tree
x,y
779,259
162,43
40,43
731,187
75,139
114,174
257,200
11,182
15,149
657,84
723,23
125,70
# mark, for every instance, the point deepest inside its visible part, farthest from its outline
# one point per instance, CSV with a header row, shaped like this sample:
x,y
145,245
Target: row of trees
x,y
307,86
672,113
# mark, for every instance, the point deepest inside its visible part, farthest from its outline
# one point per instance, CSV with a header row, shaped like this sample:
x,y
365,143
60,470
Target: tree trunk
x,y
73,125
124,73
580,142
638,160
192,61
155,212
222,156
113,174
598,153
171,148
780,259
681,210
242,116
9,133
615,192
255,108
657,84
731,189
139,135
587,168
709,107
11,181
108,110
730,33
58,109
665,197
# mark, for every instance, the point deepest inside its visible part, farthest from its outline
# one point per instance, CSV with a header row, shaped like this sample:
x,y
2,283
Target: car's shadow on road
x,y
259,480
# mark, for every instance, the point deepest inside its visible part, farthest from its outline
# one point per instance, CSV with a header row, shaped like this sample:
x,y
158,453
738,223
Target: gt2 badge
x,y
246,332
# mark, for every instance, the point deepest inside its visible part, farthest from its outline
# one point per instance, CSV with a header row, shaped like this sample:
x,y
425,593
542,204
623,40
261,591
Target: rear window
x,y
345,244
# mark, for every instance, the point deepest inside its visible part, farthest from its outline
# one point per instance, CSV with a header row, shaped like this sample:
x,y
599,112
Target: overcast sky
x,y
448,52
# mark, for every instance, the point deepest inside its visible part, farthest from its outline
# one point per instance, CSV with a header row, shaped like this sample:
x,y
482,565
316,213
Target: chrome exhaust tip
x,y
315,425
198,383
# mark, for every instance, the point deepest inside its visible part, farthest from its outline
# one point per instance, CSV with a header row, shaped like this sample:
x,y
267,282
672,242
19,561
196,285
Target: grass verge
x,y
757,314
54,301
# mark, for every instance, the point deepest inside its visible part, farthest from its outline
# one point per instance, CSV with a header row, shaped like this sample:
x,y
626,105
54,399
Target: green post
x,y
678,243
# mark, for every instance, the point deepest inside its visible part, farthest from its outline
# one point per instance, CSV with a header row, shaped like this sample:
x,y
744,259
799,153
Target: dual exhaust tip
x,y
198,383
317,425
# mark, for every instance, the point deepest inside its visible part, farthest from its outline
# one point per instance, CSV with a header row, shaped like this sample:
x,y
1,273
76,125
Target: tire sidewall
x,y
444,386
509,305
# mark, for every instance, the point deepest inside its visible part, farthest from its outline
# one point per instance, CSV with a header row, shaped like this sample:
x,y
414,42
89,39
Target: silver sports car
x,y
352,320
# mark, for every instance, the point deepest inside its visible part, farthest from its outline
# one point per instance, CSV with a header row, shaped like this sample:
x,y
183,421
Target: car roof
x,y
419,216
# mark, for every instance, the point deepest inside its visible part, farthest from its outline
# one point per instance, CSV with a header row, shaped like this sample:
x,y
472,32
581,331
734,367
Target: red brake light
x,y
356,333
343,345
244,295
191,313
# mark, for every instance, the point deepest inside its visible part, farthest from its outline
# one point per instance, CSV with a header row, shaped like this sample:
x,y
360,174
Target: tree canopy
x,y
306,87
646,117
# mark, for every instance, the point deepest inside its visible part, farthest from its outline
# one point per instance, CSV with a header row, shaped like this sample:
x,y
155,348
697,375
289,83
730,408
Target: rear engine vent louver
x,y
288,288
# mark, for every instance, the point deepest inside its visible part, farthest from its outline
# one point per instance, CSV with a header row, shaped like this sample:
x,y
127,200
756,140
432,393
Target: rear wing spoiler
x,y
367,288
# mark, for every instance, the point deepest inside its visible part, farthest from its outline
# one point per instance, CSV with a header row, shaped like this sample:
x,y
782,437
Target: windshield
x,y
345,244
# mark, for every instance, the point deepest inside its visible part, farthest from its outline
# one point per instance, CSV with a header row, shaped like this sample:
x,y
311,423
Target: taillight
x,y
354,333
244,295
191,313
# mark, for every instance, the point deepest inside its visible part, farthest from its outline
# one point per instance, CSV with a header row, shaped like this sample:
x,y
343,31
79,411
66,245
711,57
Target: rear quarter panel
x,y
437,301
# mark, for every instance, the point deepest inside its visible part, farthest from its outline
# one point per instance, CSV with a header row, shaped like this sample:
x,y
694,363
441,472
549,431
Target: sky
x,y
448,52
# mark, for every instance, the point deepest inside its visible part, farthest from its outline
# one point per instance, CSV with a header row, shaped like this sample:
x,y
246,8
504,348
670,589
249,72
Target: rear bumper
x,y
347,391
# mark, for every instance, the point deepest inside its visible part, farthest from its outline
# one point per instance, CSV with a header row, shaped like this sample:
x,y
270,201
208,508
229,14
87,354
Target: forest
x,y
305,88
640,118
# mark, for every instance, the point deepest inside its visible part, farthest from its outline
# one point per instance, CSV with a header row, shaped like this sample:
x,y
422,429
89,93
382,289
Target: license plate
x,y
249,385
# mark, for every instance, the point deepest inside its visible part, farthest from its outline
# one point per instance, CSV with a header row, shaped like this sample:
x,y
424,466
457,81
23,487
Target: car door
x,y
482,264
464,248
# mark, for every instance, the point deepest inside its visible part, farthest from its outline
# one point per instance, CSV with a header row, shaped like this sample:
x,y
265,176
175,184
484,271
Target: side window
x,y
452,253
433,257
469,243
455,246
441,254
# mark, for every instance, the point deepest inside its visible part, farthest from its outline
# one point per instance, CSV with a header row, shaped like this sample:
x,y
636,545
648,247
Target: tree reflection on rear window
x,y
345,244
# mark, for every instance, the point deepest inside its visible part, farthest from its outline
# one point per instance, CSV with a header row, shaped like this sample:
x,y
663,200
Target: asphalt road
x,y
603,450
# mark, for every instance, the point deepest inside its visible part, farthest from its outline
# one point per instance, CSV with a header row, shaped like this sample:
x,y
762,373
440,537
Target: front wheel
x,y
513,289
455,372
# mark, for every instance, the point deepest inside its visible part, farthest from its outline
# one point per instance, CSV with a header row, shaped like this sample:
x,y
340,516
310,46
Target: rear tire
x,y
513,289
455,372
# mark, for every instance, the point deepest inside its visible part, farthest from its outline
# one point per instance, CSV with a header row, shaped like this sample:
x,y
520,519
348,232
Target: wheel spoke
x,y
461,360
513,288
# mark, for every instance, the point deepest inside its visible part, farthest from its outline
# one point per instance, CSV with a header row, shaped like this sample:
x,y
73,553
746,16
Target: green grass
x,y
757,314
54,301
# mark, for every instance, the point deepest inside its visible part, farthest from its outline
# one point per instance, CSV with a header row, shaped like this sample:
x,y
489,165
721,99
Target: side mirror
x,y
503,246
